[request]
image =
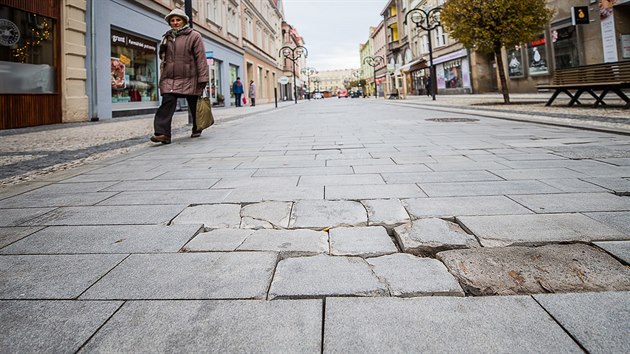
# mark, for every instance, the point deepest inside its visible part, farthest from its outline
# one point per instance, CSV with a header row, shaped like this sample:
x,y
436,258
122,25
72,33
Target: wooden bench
x,y
597,80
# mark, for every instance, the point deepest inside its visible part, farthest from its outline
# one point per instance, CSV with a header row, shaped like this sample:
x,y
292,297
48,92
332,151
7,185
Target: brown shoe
x,y
164,139
196,134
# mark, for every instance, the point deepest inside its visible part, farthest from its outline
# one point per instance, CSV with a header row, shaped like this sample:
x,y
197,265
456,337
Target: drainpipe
x,y
93,71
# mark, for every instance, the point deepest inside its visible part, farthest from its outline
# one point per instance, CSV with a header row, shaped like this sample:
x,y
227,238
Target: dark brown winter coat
x,y
184,69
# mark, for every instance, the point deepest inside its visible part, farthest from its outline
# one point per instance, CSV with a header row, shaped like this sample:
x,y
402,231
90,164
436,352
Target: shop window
x,y
27,52
453,74
515,62
233,76
134,76
565,51
537,56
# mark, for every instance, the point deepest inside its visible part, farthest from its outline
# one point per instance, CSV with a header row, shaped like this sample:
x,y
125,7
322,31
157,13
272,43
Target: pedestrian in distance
x,y
252,92
237,89
428,85
183,73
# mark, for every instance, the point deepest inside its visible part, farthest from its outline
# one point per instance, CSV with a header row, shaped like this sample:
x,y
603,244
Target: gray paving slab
x,y
86,187
573,202
304,171
386,212
469,166
371,241
105,239
536,229
428,236
600,322
442,324
486,188
204,173
50,326
163,185
360,162
619,249
616,184
325,276
260,182
533,270
415,168
9,235
320,214
239,275
15,217
212,216
218,240
51,276
253,194
341,180
429,177
268,215
293,326
54,200
109,215
619,161
167,197
535,173
288,243
411,276
120,176
457,206
374,191
573,185
590,151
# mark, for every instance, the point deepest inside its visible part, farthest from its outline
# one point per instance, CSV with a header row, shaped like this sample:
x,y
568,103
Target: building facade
x,y
379,48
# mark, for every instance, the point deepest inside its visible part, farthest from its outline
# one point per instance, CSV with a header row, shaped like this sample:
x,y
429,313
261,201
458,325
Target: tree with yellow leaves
x,y
489,25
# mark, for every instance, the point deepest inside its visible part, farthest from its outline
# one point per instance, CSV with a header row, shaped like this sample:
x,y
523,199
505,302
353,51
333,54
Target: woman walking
x,y
252,92
184,73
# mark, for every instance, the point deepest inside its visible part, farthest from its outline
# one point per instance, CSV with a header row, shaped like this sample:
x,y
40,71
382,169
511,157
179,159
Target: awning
x,y
407,67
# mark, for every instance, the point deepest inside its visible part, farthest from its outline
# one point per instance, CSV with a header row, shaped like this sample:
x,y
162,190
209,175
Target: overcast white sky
x,y
333,29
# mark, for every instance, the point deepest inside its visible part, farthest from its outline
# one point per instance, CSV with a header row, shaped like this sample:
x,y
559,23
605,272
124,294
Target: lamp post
x,y
293,54
316,81
374,61
308,72
428,21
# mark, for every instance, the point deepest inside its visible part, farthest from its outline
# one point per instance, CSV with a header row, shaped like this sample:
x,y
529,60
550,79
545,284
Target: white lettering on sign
x,y
118,39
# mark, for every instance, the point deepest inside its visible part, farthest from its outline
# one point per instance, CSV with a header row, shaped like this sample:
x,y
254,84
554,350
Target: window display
x,y
133,68
453,74
515,62
537,55
565,50
27,52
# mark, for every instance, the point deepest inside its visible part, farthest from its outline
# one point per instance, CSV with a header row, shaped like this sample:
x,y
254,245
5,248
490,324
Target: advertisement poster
x,y
609,39
515,62
118,74
537,55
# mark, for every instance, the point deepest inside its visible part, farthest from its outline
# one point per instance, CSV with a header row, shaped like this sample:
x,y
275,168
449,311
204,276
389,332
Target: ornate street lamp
x,y
308,72
374,62
293,54
316,81
428,21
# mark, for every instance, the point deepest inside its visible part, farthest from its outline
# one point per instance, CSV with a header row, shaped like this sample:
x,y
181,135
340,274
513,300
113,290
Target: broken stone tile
x,y
533,270
536,229
266,215
321,214
368,241
218,240
212,216
321,276
289,243
457,206
410,276
386,212
428,236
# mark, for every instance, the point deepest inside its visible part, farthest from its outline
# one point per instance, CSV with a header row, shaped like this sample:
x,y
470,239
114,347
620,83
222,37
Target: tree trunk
x,y
501,68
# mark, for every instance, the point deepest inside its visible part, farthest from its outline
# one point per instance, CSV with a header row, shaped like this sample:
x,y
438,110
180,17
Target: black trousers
x,y
237,99
164,115
253,99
